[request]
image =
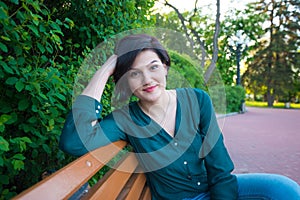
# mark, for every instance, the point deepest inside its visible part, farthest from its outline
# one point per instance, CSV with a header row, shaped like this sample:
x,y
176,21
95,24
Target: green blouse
x,y
194,161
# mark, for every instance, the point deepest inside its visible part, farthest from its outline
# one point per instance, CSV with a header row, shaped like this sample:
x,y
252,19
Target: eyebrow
x,y
153,61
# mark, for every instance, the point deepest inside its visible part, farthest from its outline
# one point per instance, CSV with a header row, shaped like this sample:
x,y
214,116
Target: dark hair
x,y
127,49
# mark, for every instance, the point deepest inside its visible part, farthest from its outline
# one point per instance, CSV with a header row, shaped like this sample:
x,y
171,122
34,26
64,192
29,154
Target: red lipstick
x,y
150,89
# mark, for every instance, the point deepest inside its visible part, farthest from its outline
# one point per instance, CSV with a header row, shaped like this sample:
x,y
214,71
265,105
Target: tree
x,y
276,63
249,24
193,34
201,30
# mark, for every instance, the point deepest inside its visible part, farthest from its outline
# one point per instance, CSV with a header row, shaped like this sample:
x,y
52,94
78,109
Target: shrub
x,y
235,96
41,50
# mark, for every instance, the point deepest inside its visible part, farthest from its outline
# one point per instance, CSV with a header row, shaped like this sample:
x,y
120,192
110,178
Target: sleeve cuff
x,y
88,104
98,109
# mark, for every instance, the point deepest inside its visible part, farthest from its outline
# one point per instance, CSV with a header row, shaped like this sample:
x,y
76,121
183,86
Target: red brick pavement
x,y
264,140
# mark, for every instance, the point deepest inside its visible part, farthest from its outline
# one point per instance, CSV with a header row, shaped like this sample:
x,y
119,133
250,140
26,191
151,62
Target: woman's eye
x,y
134,74
153,67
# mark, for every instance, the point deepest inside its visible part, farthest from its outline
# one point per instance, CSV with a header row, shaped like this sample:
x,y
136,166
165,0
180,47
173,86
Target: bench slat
x,y
146,194
137,187
70,178
112,186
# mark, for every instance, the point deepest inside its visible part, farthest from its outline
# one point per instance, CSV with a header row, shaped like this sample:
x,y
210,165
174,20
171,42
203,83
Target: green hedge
x,y
235,95
184,72
42,45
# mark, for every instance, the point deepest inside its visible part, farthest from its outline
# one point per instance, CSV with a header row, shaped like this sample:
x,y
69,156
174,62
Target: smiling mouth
x,y
150,89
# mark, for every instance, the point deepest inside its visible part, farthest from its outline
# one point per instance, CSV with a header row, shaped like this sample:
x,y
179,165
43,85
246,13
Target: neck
x,y
158,108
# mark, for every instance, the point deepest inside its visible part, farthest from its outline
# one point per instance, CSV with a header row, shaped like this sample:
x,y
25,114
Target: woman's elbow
x,y
71,143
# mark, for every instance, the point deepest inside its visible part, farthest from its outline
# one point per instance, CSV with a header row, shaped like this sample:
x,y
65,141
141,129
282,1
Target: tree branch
x,y
182,19
214,59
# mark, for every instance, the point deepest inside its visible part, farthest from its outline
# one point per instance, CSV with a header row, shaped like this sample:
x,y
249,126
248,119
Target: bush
x,y
183,72
235,95
36,83
41,50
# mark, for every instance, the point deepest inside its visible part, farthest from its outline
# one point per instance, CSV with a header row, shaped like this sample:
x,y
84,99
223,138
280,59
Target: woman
x,y
174,133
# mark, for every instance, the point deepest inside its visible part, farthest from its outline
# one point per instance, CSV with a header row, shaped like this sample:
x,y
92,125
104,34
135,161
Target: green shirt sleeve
x,y
84,131
222,184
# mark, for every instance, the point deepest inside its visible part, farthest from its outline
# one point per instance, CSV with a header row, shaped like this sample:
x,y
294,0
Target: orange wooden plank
x,y
146,195
137,187
70,178
113,185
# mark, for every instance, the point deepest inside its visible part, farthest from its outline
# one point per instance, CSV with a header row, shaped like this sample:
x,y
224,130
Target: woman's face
x,y
147,76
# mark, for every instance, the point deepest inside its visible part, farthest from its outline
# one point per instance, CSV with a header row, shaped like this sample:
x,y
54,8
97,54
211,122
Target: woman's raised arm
x,y
96,86
82,132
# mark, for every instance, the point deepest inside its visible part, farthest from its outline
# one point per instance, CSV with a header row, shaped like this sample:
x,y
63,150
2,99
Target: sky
x,y
226,5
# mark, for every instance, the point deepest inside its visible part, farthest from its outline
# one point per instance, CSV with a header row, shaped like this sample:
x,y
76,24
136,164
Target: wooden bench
x,y
122,183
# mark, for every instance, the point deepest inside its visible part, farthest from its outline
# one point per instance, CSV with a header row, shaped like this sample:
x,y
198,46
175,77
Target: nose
x,y
146,78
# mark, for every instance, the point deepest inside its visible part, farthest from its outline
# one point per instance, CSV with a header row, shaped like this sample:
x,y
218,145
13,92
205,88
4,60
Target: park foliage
x,y
42,46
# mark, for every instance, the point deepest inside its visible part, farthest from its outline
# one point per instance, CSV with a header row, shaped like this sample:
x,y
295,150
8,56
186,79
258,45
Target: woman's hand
x,y
110,65
96,86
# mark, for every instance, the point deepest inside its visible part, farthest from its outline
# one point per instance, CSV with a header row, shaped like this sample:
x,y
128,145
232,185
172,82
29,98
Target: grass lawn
x,y
275,105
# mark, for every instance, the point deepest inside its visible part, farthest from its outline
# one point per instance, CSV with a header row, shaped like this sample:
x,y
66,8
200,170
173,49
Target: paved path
x,y
264,140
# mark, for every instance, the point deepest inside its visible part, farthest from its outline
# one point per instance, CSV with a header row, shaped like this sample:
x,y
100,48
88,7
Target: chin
x,y
149,96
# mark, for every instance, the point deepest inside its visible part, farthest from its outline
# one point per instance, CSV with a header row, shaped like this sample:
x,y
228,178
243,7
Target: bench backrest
x,y
125,182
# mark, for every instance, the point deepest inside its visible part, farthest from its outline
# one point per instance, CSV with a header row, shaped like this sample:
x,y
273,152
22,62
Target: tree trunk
x,y
212,66
270,98
214,60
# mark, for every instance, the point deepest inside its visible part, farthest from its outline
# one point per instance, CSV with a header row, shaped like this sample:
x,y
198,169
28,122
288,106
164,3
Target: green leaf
x,y
61,107
3,13
19,156
36,5
2,128
46,148
58,22
3,47
18,164
11,80
4,118
51,122
44,11
15,1
34,29
5,38
44,58
32,119
43,96
19,86
23,104
4,145
26,139
21,61
34,108
20,16
60,96
36,86
55,26
6,67
41,47
42,28
13,118
49,47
